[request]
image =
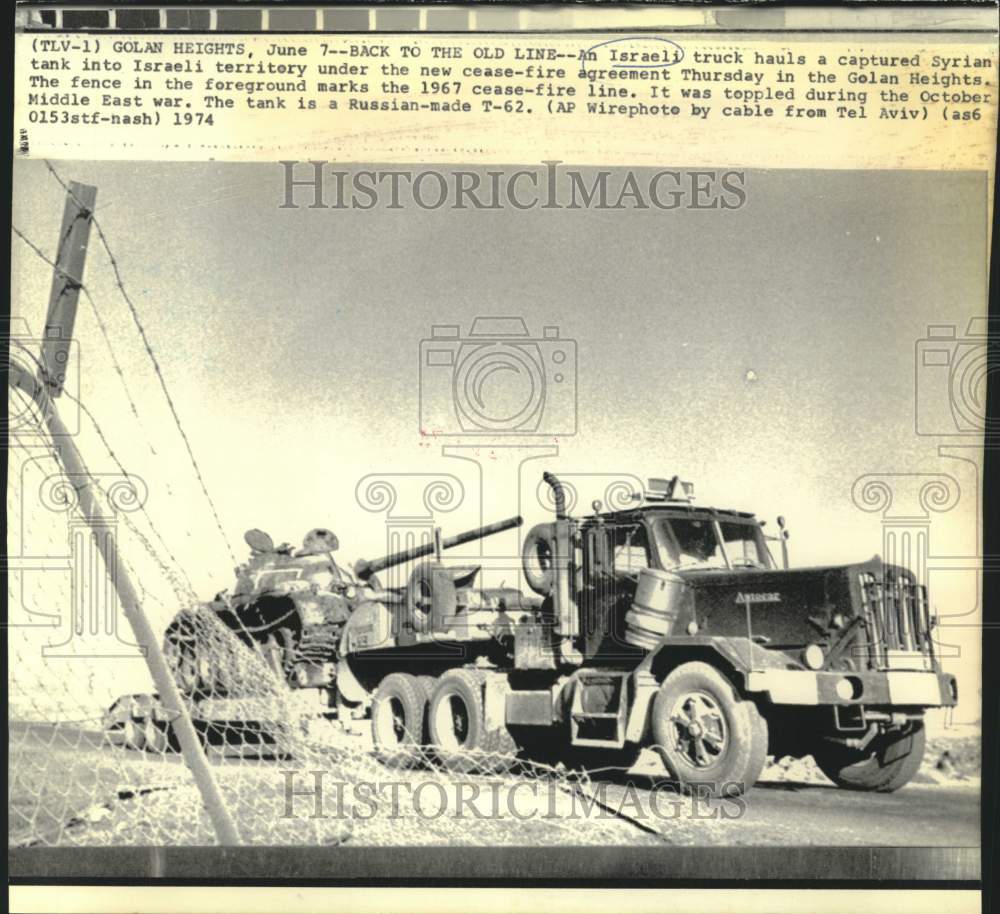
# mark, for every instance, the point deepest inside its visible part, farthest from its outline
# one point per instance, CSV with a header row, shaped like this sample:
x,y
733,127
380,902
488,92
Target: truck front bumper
x,y
893,688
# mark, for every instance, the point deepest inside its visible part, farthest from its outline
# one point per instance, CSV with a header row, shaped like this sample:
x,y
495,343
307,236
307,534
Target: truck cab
x,y
716,656
620,550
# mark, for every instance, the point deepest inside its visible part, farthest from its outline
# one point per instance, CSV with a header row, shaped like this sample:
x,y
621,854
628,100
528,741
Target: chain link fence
x,y
94,753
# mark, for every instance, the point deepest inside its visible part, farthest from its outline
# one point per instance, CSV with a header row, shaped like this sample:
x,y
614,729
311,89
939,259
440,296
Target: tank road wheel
x,y
707,735
456,723
134,734
122,724
179,650
398,712
156,736
888,762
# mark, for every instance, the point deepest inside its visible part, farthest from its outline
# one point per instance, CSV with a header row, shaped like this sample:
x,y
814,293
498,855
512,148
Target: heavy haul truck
x,y
666,625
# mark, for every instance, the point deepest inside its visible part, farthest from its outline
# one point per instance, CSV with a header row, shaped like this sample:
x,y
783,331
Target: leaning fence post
x,y
170,697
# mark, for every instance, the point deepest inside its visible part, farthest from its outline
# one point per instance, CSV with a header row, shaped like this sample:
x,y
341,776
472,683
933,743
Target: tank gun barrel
x,y
365,569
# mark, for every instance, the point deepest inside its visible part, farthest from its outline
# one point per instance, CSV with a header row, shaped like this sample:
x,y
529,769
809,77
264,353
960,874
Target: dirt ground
x,y
72,787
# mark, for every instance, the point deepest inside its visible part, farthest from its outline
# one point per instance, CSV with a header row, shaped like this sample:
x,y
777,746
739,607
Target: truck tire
x,y
887,763
419,589
427,686
456,723
538,558
398,713
709,737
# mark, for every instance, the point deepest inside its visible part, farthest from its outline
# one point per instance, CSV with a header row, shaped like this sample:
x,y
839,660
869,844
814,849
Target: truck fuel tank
x,y
655,609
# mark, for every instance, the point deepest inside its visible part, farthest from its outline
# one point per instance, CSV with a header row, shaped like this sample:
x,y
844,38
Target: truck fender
x,y
645,686
349,687
729,655
369,627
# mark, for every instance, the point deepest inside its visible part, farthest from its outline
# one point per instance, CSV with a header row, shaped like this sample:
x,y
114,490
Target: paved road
x,y
922,815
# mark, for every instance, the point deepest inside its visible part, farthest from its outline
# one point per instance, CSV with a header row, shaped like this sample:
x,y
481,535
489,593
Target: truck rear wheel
x,y
427,684
888,762
456,723
709,737
398,713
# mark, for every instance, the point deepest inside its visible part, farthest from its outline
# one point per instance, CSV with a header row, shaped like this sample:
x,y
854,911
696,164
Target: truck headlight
x,y
813,657
850,688
845,691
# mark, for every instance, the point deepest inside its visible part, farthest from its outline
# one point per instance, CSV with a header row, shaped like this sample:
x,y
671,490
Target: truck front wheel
x,y
888,762
708,736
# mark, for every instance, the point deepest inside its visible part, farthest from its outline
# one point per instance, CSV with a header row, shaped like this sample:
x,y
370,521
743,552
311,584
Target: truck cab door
x,y
607,593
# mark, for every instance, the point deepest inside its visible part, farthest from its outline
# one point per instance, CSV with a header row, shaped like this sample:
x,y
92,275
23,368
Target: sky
x,y
766,353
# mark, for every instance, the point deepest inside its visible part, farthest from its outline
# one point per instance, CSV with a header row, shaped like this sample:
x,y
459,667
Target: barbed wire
x,y
41,371
52,451
169,570
118,368
153,360
243,670
100,323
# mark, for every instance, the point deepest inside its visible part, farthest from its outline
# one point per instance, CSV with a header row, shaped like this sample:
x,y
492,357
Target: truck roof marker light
x,y
673,489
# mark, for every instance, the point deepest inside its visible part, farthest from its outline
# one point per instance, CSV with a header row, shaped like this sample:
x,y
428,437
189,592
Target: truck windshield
x,y
691,542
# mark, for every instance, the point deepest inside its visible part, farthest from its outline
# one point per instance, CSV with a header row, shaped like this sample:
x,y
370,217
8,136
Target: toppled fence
x,y
109,743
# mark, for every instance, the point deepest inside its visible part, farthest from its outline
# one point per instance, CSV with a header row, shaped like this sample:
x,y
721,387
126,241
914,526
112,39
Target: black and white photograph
x,y
522,519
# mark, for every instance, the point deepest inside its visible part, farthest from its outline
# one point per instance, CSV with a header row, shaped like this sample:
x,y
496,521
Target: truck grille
x,y
897,617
